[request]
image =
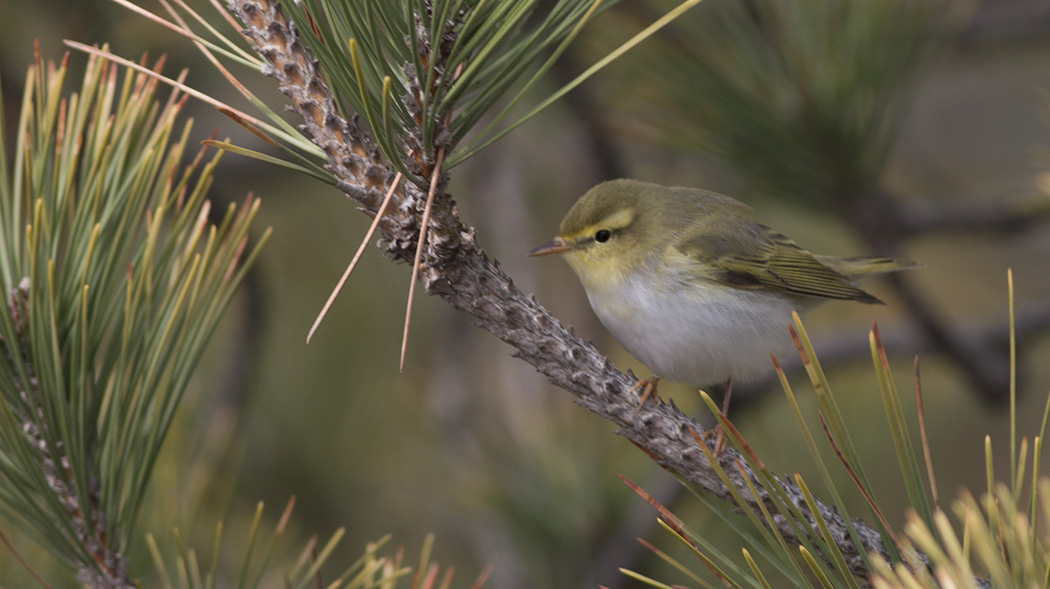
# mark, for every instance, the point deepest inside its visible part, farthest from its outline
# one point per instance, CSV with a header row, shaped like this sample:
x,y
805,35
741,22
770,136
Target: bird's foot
x,y
719,433
648,388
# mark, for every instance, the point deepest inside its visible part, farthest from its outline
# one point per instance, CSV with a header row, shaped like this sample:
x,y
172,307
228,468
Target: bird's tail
x,y
861,265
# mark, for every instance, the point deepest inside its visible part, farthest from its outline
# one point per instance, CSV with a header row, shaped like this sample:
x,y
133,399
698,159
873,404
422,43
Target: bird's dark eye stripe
x,y
602,235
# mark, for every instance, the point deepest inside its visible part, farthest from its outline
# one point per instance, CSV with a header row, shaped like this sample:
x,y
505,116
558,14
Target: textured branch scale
x,y
30,414
457,270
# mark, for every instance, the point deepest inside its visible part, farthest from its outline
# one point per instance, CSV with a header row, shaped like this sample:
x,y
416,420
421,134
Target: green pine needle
x,y
114,280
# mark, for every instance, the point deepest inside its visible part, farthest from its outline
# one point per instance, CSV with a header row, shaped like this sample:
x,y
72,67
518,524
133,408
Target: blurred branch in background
x,y
1005,20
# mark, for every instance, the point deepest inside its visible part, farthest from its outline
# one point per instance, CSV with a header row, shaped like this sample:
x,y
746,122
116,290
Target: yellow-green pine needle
x,y
213,571
1013,382
322,557
1019,473
653,582
253,534
424,561
829,541
707,560
158,561
989,467
818,460
754,569
815,568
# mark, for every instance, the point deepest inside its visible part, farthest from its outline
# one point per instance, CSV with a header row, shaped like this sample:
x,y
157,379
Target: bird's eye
x,y
602,235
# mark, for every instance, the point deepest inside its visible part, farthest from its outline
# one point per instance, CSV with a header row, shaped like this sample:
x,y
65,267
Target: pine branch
x,y
456,269
54,461
113,282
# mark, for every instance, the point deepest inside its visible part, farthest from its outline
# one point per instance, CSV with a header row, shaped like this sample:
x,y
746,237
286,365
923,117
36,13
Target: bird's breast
x,y
695,331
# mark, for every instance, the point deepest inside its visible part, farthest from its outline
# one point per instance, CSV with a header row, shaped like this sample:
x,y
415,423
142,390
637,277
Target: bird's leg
x,y
648,388
719,432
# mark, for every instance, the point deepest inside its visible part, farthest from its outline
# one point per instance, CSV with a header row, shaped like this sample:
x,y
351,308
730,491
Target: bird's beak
x,y
558,246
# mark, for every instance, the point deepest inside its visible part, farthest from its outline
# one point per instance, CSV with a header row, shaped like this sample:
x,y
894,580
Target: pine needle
x,y
921,411
419,251
22,562
357,256
173,83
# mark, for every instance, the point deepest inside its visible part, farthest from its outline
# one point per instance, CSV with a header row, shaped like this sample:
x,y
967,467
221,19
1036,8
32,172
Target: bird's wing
x,y
746,255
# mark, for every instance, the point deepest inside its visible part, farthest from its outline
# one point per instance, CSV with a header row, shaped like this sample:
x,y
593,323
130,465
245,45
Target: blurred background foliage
x,y
471,444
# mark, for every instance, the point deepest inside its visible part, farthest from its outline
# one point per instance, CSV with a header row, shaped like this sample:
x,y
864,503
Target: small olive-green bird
x,y
691,285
